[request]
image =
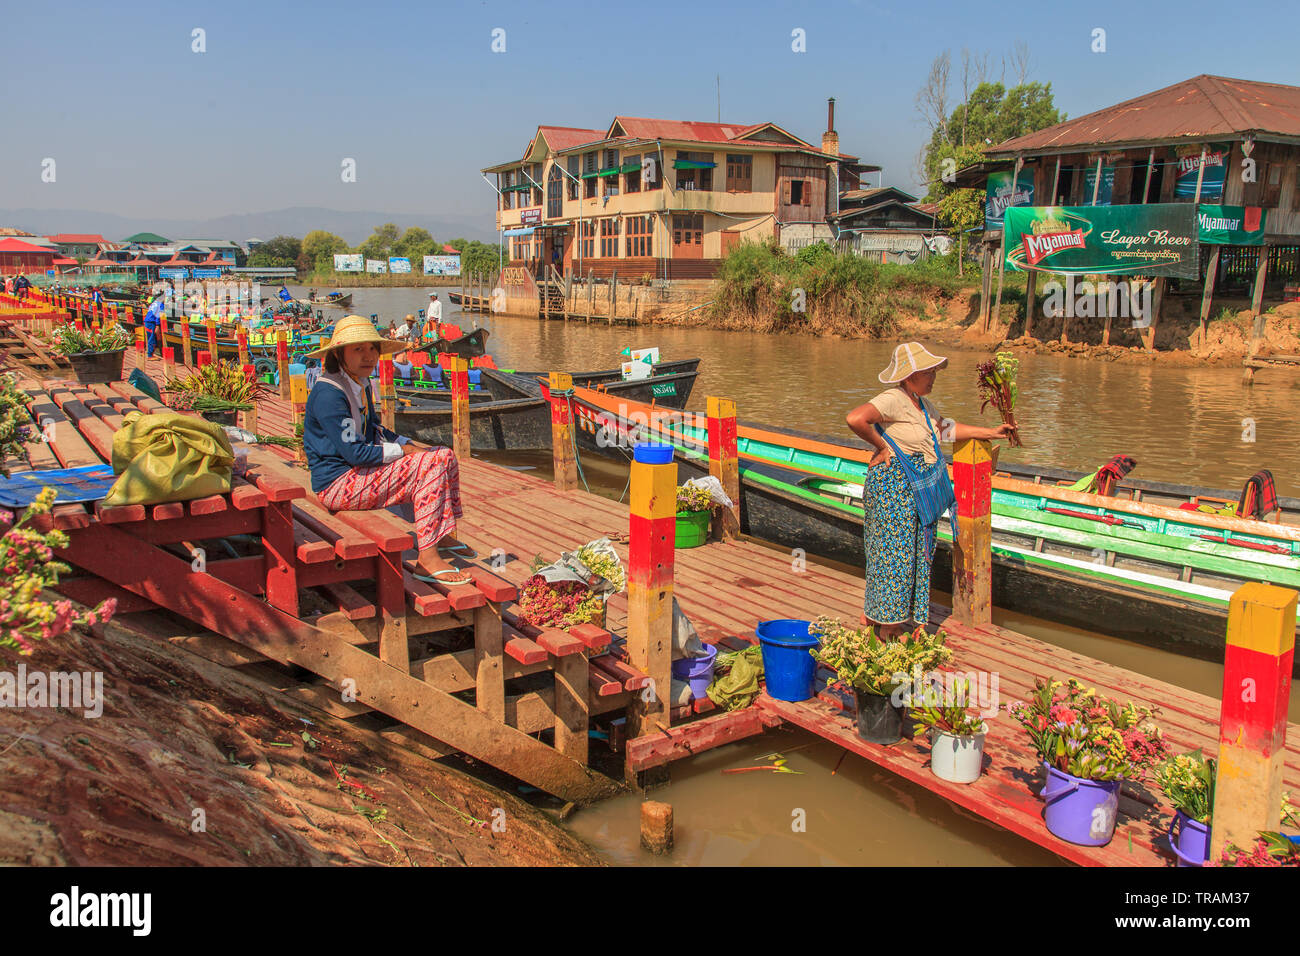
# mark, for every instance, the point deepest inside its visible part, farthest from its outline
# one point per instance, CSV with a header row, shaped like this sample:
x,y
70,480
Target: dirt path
x,y
180,734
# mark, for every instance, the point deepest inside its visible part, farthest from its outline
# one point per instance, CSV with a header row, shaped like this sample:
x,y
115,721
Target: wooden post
x,y
1069,308
724,462
1257,299
613,296
986,285
458,377
657,826
139,346
652,534
204,357
282,361
387,392
972,546
187,350
249,417
168,357
298,400
1002,247
1096,182
241,343
1031,299
562,447
212,339
1149,333
1151,163
1253,715
1207,295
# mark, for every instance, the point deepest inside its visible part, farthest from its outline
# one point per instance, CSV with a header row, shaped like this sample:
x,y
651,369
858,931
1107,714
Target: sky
x,y
138,123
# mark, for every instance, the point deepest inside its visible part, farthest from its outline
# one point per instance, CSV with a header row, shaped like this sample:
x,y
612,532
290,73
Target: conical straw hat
x,y
910,357
355,329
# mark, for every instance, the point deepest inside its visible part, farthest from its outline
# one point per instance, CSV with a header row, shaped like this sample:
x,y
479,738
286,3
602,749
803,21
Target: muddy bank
x,y
180,734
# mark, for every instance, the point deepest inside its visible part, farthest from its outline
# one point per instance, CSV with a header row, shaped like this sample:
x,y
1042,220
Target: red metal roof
x,y
640,127
17,245
175,261
566,137
1197,109
64,261
101,261
74,237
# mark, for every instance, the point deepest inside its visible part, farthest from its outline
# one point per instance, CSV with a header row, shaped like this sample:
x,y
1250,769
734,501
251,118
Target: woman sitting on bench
x,y
357,464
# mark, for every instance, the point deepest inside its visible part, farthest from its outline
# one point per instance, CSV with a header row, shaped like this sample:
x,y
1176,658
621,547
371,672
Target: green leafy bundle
x,y
947,715
66,340
872,666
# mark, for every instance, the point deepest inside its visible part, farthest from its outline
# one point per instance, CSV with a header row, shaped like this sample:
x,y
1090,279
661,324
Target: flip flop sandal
x,y
436,576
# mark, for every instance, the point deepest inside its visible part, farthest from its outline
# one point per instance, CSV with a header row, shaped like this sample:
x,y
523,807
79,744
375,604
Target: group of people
x,y
415,332
17,286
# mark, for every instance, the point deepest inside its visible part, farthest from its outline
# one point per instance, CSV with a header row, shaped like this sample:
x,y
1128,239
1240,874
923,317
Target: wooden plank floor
x,y
728,588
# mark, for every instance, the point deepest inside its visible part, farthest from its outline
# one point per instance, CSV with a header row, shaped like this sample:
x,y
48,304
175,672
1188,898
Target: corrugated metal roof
x,y
1197,109
567,137
17,245
76,237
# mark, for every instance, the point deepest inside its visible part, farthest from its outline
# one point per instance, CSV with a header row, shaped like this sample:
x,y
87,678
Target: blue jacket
x,y
153,316
324,427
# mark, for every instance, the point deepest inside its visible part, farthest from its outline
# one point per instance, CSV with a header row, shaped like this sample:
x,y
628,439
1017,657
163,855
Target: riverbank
x,y
194,763
365,280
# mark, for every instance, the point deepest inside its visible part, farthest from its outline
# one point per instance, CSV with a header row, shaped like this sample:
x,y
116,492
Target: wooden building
x,y
23,258
886,224
664,198
1208,139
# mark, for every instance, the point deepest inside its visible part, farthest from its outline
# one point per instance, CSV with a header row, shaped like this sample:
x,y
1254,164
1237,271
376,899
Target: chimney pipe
x,y
830,115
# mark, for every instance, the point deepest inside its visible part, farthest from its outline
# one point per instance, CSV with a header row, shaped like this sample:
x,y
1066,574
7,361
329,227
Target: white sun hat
x,y
910,357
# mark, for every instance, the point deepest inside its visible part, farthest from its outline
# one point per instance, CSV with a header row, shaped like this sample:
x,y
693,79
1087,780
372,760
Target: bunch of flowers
x,y
1079,732
219,386
559,604
872,666
66,340
1188,781
947,714
15,422
27,567
1270,849
997,387
693,498
605,565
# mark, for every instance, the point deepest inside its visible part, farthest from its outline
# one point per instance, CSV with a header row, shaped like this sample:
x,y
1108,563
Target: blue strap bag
x,y
932,492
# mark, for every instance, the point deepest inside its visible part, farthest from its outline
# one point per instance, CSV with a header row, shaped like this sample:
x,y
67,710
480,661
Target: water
x,y
1182,424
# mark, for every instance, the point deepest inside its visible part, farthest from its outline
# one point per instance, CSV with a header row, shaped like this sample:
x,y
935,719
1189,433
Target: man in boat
x,y
284,295
152,322
435,308
359,465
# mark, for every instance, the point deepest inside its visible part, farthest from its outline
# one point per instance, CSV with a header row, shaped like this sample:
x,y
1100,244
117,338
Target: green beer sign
x,y
1157,239
1230,225
665,390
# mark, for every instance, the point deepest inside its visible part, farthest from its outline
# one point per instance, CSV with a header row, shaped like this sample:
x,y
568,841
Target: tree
x,y
318,249
415,244
476,256
379,244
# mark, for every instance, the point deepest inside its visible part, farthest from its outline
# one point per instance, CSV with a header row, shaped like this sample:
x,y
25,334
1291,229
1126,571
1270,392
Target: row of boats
x,y
1140,563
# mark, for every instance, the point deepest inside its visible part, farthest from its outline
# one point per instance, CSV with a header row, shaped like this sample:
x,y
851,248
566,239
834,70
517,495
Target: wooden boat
x,y
471,345
511,412
340,299
665,391
1134,569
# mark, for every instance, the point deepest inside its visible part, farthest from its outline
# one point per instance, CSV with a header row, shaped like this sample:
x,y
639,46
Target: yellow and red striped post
x,y
559,391
241,343
298,398
972,546
652,535
139,347
204,358
282,362
458,376
212,339
114,312
168,357
387,392
249,416
187,349
1253,714
78,322
724,461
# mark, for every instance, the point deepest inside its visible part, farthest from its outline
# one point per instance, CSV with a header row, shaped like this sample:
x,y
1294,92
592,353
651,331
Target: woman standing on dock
x,y
357,464
906,477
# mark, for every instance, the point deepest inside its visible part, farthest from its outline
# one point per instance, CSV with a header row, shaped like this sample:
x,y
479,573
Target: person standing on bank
x,y
906,488
358,465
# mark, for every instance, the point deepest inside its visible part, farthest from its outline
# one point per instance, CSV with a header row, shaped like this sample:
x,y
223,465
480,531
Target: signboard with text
x,y
530,217
998,195
1189,170
399,264
442,265
1158,239
1231,225
376,265
348,262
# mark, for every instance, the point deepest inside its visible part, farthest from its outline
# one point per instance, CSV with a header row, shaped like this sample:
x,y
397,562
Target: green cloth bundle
x,y
169,457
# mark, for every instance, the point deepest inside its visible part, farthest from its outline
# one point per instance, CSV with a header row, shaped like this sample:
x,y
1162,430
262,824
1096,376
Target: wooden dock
x,y
726,588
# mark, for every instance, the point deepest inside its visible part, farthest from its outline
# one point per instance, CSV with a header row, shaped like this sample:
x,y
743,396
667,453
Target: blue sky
x,y
141,125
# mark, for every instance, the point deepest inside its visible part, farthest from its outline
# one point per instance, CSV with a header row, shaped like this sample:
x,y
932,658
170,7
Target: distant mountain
x,y
294,221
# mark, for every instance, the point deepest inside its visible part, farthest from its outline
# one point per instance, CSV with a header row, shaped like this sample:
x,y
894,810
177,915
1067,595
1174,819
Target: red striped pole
x,y
652,534
139,347
212,338
282,362
1252,719
560,388
249,416
972,547
241,342
168,357
204,357
187,349
458,377
387,392
724,461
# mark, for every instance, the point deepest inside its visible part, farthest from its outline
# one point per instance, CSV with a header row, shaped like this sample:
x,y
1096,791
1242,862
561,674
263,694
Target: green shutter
x,y
631,166
692,164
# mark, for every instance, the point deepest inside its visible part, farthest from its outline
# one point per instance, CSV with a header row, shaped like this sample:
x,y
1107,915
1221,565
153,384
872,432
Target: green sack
x,y
169,458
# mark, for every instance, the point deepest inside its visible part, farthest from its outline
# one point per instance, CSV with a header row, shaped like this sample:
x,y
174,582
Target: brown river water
x,y
1182,425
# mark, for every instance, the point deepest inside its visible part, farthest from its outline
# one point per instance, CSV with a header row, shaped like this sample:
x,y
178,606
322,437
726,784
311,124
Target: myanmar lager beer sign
x,y
1152,240
998,195
1189,170
1230,225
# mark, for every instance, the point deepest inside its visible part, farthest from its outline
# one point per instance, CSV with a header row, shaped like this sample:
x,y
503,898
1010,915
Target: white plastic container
x,y
956,759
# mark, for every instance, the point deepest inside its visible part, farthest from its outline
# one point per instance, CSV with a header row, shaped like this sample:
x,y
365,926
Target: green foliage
x,y
945,712
318,249
415,244
379,244
872,666
477,256
219,386
280,251
15,423
66,340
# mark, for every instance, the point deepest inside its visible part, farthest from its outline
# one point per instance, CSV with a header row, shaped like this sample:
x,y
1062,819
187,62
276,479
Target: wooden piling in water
x,y
972,545
1253,715
657,826
562,447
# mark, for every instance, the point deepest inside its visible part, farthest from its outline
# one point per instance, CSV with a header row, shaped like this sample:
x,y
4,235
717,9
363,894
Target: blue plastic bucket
x,y
649,453
787,666
1192,845
1080,811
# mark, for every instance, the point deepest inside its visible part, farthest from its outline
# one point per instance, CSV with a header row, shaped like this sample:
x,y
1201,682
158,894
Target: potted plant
x,y
1188,781
95,357
216,391
694,509
1088,744
15,424
956,735
875,669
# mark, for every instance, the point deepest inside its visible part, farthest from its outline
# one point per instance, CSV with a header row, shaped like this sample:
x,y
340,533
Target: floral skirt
x,y
898,564
429,479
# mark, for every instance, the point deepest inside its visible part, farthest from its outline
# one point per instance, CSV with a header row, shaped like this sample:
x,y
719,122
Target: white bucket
x,y
956,759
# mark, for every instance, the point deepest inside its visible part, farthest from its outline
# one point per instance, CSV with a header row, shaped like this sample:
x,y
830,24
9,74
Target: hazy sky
x,y
139,124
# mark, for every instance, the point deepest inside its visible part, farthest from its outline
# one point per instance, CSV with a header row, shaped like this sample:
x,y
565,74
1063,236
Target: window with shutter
x,y
1272,184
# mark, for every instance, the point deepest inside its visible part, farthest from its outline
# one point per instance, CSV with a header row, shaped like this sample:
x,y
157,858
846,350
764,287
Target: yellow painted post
x,y
282,362
458,375
972,547
387,392
562,447
139,346
241,344
652,535
1253,715
724,463
249,416
298,399
187,350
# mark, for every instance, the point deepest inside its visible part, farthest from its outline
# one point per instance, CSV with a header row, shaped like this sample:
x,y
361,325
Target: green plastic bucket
x,y
692,528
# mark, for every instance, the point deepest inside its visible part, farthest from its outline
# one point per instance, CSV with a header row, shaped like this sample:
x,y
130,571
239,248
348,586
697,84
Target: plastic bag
x,y
713,486
571,568
168,457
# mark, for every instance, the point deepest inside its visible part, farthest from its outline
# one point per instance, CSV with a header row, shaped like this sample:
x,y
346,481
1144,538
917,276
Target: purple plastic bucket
x,y
1192,845
697,671
1080,811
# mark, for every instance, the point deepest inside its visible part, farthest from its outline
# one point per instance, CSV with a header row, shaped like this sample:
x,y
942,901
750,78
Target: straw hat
x,y
353,330
910,357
